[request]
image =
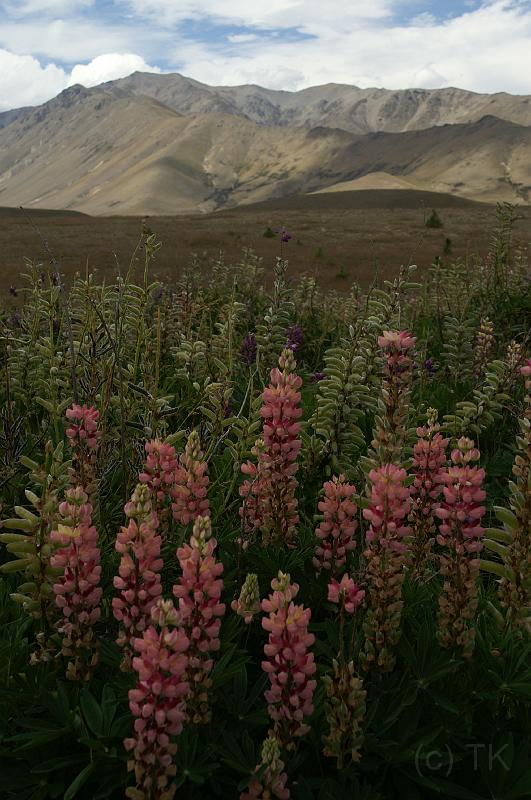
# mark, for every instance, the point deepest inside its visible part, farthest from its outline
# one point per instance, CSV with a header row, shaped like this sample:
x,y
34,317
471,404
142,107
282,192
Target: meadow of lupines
x,y
260,540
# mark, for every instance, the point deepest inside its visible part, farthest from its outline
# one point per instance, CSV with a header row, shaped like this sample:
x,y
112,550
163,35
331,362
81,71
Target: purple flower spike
x,y
248,350
430,367
293,337
285,236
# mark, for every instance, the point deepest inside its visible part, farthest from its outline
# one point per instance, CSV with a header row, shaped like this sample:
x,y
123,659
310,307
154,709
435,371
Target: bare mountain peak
x,y
334,105
69,96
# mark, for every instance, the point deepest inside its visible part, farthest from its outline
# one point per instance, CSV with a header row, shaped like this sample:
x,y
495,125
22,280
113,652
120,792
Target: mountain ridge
x,y
153,144
336,105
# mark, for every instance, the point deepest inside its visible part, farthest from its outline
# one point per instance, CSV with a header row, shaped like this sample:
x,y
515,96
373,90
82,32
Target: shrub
x,y
434,220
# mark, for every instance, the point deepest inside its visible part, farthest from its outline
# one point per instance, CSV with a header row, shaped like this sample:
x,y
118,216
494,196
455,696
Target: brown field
x,y
339,237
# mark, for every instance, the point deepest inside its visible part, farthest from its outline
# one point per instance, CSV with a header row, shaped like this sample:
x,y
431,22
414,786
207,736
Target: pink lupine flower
x,y
83,426
83,435
429,456
140,505
429,461
157,703
396,342
393,406
138,580
385,559
200,611
77,591
253,508
248,603
465,452
189,492
345,704
272,781
335,534
159,472
270,494
461,535
389,507
289,664
347,592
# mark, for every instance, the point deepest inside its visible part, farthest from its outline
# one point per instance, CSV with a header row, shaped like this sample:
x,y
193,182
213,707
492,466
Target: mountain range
x,y
166,144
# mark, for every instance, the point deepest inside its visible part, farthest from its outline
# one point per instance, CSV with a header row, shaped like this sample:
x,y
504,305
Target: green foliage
x,y
271,332
29,540
336,435
488,404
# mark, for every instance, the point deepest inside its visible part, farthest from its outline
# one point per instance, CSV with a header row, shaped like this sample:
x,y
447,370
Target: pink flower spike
x,y
200,612
159,472
83,435
335,534
460,534
158,702
347,592
390,433
429,462
385,553
189,491
138,581
77,590
83,425
270,505
393,341
272,781
289,664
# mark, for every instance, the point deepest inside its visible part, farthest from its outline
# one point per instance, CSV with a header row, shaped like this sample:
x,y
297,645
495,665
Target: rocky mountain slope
x,y
155,144
332,105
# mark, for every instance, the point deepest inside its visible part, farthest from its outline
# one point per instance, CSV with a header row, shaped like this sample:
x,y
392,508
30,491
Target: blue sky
x,y
481,45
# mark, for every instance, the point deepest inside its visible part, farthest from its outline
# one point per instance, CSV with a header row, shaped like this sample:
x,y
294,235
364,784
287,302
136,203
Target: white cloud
x,y
428,78
24,81
485,50
68,40
26,7
266,13
109,67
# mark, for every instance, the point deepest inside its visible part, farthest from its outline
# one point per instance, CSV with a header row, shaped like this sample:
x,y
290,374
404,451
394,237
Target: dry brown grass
x,y
356,243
